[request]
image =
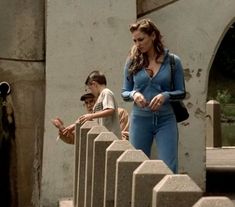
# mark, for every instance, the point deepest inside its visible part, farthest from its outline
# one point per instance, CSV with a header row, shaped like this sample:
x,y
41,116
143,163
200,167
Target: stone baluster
x,y
214,201
126,164
213,124
91,136
145,177
176,191
80,160
100,144
112,154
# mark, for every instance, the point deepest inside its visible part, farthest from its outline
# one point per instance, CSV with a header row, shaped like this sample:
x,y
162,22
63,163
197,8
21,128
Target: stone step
x,y
66,202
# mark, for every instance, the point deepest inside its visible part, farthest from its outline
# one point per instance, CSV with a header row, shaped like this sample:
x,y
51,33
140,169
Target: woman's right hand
x,y
140,100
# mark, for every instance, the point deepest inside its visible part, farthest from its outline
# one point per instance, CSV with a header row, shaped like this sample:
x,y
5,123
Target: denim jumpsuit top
x,y
145,125
150,87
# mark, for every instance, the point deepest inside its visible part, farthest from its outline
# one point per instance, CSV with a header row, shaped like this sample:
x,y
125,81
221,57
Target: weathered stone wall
x,y
22,66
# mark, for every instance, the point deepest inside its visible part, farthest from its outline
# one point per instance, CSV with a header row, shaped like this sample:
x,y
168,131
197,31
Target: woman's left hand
x,y
156,102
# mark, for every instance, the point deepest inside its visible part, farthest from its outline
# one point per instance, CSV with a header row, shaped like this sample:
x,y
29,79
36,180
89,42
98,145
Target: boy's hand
x,y
86,117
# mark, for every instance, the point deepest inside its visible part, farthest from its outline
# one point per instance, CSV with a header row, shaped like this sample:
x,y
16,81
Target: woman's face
x,y
143,41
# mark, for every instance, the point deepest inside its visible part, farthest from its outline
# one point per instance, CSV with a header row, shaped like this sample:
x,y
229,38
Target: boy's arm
x,y
104,113
98,114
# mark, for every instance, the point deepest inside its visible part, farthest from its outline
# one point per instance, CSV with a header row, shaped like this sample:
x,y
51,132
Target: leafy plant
x,y
223,97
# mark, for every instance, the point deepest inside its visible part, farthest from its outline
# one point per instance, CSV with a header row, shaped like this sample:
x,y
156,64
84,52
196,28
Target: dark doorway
x,y
222,85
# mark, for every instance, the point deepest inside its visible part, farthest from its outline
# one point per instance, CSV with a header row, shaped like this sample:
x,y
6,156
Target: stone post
x,y
100,144
145,177
91,136
81,159
126,164
176,191
112,154
213,124
214,201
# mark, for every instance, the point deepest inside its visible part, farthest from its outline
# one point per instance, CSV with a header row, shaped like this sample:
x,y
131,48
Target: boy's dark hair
x,y
96,76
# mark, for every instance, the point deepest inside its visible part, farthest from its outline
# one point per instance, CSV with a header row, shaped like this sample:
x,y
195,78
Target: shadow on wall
x,y
8,187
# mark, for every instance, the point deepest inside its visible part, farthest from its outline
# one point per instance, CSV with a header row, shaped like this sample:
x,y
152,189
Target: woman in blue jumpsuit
x,y
147,82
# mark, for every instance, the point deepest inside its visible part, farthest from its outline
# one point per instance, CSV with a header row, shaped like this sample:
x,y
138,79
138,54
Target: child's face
x,y
93,88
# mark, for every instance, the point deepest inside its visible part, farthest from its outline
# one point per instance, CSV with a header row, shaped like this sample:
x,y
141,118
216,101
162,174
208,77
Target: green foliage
x,y
223,96
228,131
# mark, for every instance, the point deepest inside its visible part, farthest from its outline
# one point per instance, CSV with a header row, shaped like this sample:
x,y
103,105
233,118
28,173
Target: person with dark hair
x,y
89,101
105,110
147,82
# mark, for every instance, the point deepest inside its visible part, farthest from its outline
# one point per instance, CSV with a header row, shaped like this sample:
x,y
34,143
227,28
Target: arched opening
x,y
222,85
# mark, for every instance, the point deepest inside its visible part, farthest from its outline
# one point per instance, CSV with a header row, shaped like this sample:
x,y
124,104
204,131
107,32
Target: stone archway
x,y
221,85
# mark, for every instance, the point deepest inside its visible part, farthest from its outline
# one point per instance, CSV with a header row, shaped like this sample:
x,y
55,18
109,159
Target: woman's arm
x,y
128,84
179,83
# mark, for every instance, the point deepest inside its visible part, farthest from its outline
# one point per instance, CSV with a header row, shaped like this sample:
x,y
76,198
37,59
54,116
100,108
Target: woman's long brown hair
x,y
138,59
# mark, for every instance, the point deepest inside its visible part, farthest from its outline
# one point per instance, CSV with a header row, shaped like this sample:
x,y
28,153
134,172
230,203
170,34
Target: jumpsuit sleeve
x,y
128,84
179,90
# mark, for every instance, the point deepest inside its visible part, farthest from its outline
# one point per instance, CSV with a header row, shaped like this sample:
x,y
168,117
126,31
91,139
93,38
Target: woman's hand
x,y
140,100
86,117
156,102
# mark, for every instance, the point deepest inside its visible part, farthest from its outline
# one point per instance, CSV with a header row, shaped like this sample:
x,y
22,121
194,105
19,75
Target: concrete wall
x,y
81,36
22,65
193,30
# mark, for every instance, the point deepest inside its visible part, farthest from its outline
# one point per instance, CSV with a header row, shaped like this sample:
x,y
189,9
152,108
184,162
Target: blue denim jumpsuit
x,y
146,125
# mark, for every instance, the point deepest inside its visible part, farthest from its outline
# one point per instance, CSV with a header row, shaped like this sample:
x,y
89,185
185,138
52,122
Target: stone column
x,y
100,145
214,201
91,136
176,191
81,159
126,164
112,154
213,124
145,177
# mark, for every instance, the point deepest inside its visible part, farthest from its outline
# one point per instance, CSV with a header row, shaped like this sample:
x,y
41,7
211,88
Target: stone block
x,y
145,177
214,201
112,154
102,141
91,136
126,164
176,191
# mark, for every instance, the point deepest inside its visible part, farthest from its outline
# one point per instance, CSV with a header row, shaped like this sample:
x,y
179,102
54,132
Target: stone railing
x,y
111,173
